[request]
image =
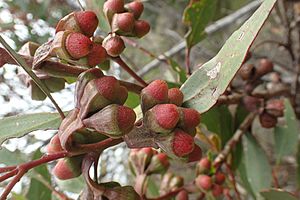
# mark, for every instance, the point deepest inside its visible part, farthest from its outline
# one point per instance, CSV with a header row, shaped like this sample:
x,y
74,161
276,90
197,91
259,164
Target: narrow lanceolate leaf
x,y
256,165
277,194
18,126
203,88
197,15
286,135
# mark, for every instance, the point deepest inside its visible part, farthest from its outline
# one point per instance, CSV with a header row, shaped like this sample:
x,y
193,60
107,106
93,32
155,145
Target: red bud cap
x,y
217,190
175,96
54,145
182,195
155,93
203,166
108,87
114,45
123,23
113,121
195,155
68,168
204,182
111,7
78,45
219,178
247,71
162,118
97,55
87,21
183,143
141,28
123,95
189,118
136,8
267,120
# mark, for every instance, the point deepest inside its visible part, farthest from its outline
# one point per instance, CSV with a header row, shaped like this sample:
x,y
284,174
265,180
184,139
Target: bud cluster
x,y
175,126
207,180
99,113
148,161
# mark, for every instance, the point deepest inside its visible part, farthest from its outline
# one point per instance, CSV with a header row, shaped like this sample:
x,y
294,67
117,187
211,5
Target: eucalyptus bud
x,y
159,164
113,121
68,168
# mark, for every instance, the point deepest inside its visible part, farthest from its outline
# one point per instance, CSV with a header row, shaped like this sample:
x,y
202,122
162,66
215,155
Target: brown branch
x,y
234,140
231,175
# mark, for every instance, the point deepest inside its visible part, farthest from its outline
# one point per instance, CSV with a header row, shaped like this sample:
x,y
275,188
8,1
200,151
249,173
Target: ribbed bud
x,y
113,121
162,118
84,22
136,8
141,28
114,45
97,55
155,93
165,182
265,66
159,164
275,107
112,7
203,166
54,145
83,80
68,168
189,118
123,95
176,144
175,96
99,93
267,120
182,195
123,23
203,182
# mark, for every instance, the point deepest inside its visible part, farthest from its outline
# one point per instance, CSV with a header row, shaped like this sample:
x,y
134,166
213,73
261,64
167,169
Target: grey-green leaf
x,y
277,194
18,126
203,88
197,15
286,136
257,167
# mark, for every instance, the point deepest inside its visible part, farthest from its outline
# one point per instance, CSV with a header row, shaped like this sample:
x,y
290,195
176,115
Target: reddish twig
x,y
97,147
233,181
275,179
129,70
6,169
20,170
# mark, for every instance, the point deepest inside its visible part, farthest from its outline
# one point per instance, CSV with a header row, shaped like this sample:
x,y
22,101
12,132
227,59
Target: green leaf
x,y
286,136
197,15
277,194
16,196
133,100
9,158
219,120
244,178
179,70
40,177
74,185
257,167
18,126
203,88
